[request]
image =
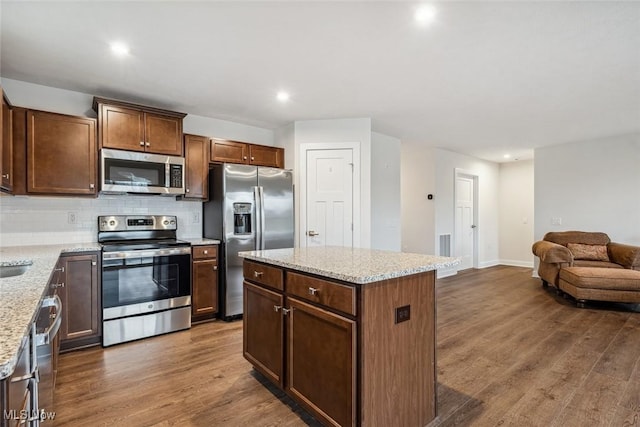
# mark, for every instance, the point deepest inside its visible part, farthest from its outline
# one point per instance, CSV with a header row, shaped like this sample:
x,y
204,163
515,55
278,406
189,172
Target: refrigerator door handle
x,y
258,206
262,217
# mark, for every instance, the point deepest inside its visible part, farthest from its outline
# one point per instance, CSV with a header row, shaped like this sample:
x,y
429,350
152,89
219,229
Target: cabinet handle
x,y
147,144
187,190
244,158
252,158
286,311
215,267
92,186
277,308
313,291
258,274
57,285
141,143
6,176
60,269
94,263
206,251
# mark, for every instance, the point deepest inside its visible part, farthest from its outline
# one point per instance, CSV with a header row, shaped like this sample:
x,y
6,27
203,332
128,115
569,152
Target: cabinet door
x,y
80,298
6,151
61,154
121,128
196,167
163,134
204,298
261,155
321,360
229,151
263,331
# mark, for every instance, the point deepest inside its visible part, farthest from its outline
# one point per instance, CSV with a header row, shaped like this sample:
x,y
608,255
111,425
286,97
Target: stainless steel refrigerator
x,y
249,208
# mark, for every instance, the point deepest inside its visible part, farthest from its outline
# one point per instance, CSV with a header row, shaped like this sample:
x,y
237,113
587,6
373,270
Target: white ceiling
x,y
485,79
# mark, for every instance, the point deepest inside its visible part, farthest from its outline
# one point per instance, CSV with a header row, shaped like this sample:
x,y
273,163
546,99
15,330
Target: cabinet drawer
x,y
330,294
264,274
203,252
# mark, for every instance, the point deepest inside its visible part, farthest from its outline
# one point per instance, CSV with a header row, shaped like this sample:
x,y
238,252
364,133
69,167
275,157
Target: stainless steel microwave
x,y
134,172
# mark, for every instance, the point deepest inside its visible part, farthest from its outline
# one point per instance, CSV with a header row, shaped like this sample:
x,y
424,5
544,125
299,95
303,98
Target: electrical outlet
x,y
196,217
403,313
72,218
556,220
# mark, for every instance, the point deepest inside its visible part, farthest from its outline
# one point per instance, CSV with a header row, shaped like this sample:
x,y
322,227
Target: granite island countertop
x,y
354,265
20,296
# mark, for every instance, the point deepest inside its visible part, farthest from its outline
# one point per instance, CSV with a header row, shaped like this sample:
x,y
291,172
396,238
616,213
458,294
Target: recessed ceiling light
x,y
119,49
507,156
425,14
282,96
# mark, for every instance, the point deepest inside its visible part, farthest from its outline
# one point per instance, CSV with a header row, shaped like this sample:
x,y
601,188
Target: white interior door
x,y
329,202
464,220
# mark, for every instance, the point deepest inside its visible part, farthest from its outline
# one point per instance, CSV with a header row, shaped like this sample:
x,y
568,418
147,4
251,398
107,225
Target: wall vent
x,y
445,245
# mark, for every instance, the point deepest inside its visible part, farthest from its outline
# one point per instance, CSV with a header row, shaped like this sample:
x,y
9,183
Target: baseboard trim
x,y
487,264
516,263
446,272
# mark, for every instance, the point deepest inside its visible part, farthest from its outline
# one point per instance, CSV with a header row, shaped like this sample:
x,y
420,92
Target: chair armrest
x,y
626,255
550,252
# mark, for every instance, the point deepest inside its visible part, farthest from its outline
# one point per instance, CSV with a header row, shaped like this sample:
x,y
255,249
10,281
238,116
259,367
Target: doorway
x,y
465,219
329,190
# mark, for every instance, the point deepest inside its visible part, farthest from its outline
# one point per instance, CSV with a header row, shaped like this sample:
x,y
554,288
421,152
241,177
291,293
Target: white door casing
x,y
465,225
328,202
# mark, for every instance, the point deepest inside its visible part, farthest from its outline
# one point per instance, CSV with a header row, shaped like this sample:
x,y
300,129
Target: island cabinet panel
x,y
398,359
263,335
321,360
263,274
323,292
61,154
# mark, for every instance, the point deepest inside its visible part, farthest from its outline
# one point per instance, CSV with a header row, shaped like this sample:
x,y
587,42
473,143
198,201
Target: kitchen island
x,y
348,333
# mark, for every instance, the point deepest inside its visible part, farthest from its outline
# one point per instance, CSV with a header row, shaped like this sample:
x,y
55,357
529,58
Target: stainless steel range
x,y
146,277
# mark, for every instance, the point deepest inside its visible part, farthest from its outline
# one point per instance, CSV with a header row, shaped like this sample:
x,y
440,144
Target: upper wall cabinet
x,y
6,145
125,126
61,154
225,151
196,157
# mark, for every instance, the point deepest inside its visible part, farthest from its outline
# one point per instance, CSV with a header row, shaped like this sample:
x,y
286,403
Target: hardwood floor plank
x,y
509,352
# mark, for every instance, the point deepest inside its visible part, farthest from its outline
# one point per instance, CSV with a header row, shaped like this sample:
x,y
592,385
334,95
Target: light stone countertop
x,y
20,296
202,242
353,265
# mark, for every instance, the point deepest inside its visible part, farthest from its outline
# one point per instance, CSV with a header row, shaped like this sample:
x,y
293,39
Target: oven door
x,y
143,281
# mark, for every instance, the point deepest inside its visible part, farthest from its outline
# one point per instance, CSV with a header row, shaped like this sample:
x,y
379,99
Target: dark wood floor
x,y
509,353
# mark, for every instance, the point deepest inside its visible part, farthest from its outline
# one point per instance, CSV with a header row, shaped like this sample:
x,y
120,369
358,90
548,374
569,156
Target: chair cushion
x,y
584,237
602,278
589,252
599,264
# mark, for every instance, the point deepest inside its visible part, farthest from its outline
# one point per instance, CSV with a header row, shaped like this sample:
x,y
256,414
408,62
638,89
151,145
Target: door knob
x,y
473,226
312,233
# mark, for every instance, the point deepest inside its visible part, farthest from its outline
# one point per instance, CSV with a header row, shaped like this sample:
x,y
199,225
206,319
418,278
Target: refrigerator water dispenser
x,y
242,218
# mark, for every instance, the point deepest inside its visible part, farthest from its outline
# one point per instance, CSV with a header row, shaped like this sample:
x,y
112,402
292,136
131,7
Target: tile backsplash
x,y
27,220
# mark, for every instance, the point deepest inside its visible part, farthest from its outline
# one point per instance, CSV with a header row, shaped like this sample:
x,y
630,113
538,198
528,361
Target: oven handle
x,y
186,250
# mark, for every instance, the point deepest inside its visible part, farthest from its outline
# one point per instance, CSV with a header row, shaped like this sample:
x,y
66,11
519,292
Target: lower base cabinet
x,y
76,281
338,349
204,291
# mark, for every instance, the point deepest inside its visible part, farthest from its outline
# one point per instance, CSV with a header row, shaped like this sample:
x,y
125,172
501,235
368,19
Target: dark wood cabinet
x,y
204,292
335,347
262,155
196,157
78,287
6,146
225,151
317,337
61,154
263,331
132,127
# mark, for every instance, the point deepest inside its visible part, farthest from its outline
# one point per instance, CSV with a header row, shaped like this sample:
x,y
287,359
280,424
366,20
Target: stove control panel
x,y
137,222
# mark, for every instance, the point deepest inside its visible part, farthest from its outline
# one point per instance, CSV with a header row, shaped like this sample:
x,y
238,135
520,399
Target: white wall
x,y
516,214
418,179
488,173
591,186
34,219
340,131
385,193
